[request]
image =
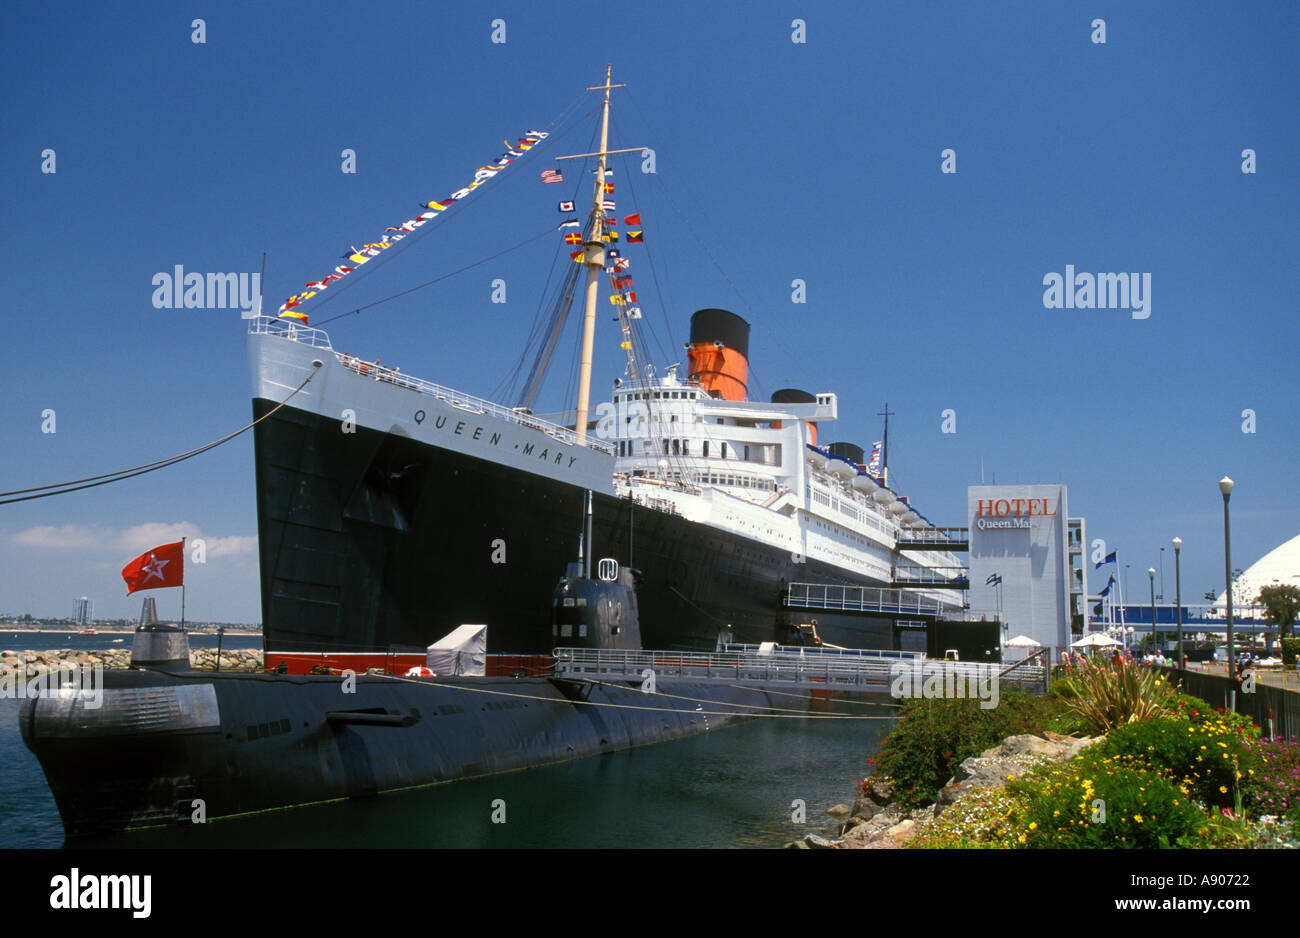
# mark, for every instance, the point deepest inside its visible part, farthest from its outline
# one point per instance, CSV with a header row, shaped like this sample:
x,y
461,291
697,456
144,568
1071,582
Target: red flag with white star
x,y
157,568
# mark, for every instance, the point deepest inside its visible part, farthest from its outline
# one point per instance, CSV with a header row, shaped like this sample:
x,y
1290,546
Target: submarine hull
x,y
176,747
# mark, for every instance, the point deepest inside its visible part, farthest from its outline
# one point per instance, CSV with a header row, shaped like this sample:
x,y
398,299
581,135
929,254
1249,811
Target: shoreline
x,y
131,631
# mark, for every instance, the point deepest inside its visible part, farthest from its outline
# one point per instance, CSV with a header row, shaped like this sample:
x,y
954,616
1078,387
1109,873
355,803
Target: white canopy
x,y
460,651
1022,641
1094,640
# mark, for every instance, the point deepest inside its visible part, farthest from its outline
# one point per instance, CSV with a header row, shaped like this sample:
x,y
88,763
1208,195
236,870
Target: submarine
x,y
160,743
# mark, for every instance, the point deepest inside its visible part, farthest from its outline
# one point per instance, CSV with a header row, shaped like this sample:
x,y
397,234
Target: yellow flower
x,y
1223,789
1033,825
1138,818
1022,838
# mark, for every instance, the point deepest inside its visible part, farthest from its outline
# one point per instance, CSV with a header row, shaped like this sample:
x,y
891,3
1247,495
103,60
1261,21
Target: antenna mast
x,y
884,446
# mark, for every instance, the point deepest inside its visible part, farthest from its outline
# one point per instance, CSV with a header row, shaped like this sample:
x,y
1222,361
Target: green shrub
x,y
1103,695
1290,648
1276,785
933,736
1208,760
984,818
1078,805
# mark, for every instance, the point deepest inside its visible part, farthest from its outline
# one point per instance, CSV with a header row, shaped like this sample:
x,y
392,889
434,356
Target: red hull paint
x,y
302,662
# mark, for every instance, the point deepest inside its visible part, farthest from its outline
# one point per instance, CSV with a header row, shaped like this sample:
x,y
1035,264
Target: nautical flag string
x,y
358,256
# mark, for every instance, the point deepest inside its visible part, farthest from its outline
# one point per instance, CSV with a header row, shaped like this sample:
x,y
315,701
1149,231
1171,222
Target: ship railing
x,y
317,338
288,329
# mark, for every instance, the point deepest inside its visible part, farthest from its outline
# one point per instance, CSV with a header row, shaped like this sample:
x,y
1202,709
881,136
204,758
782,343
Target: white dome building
x,y
1281,565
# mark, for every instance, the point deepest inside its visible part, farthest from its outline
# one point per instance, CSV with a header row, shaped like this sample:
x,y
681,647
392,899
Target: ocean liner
x,y
391,509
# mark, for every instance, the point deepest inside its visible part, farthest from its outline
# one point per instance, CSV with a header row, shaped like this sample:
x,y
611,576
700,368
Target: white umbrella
x,y
1022,641
1095,640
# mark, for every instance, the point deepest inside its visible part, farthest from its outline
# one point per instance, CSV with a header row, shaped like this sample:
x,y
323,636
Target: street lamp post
x,y
1225,486
1151,575
1161,594
1178,603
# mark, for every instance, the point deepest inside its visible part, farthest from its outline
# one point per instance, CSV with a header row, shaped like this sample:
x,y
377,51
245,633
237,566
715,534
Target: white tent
x,y
1022,641
460,651
1094,640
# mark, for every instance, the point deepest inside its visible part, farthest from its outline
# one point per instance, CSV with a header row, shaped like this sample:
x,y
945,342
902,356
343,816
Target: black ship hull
x,y
374,541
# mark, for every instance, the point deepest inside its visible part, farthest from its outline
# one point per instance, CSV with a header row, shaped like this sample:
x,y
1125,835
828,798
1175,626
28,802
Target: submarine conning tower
x,y
597,613
719,354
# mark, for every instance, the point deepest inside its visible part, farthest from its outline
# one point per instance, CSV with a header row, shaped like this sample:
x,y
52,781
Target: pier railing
x,y
805,668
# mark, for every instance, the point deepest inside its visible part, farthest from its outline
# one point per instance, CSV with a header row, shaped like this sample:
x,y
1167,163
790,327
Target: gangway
x,y
870,600
956,539
954,578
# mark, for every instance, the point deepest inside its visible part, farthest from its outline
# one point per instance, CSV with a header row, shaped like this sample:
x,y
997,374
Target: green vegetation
x,y
1171,771
1101,695
933,736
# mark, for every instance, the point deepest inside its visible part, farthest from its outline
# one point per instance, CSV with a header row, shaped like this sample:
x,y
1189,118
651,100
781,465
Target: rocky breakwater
x,y
36,663
875,821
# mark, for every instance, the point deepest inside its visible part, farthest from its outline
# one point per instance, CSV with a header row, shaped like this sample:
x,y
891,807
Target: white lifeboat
x,y
842,469
883,496
899,508
864,483
816,458
911,519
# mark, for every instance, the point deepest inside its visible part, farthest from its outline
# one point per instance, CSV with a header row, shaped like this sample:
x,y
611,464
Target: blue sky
x,y
776,161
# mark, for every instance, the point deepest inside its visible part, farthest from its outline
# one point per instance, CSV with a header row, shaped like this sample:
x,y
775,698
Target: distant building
x,y
1028,561
1279,565
83,612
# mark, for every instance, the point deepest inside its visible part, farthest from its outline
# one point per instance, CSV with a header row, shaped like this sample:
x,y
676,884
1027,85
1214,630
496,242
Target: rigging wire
x,y
92,481
402,246
429,283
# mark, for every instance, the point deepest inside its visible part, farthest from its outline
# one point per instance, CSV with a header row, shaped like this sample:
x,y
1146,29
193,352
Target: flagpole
x,y
183,579
1119,588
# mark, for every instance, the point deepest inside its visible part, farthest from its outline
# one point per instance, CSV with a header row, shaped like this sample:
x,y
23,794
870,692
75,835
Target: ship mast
x,y
594,259
884,445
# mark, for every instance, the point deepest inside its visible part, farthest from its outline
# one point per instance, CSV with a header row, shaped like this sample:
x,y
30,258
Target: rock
x,y
1056,737
879,789
1016,746
839,811
865,808
818,842
903,830
796,845
1079,745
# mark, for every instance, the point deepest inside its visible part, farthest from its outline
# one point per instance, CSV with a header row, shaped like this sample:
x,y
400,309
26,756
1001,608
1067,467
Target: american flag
x,y
552,175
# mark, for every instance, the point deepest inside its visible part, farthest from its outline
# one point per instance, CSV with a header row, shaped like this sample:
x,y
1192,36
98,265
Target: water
x,y
732,788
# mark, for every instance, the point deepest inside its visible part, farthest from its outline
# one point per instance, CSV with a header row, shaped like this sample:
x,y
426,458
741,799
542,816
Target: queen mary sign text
x,y
995,513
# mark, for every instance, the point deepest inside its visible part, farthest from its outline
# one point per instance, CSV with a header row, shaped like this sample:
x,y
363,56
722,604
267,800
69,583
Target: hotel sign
x,y
1014,513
